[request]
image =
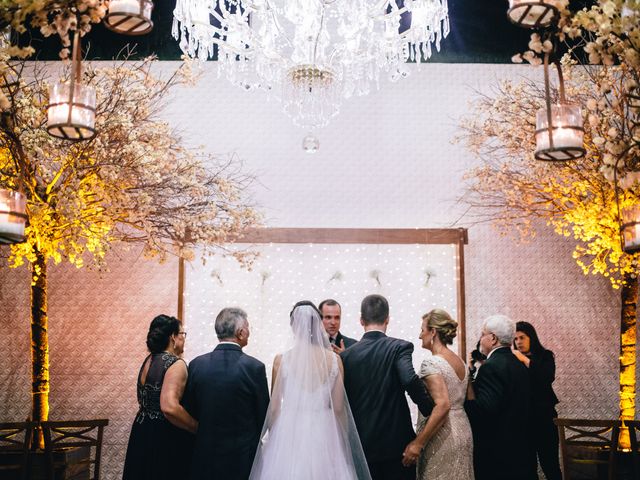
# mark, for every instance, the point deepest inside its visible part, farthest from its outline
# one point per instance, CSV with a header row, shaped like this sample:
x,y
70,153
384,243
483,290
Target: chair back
x,y
634,435
81,442
588,442
15,448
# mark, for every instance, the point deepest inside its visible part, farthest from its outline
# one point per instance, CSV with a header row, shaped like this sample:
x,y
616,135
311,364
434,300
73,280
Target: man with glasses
x,y
498,407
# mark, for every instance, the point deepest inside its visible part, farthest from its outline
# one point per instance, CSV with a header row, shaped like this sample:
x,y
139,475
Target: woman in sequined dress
x,y
444,438
161,435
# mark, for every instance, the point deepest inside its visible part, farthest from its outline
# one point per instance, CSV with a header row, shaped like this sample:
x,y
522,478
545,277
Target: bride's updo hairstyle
x,y
306,322
446,327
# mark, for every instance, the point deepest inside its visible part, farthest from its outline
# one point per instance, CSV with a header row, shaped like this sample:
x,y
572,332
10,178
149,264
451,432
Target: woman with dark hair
x,y
160,440
542,369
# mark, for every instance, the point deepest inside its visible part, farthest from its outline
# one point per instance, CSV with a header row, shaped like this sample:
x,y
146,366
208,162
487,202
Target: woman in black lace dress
x,y
161,435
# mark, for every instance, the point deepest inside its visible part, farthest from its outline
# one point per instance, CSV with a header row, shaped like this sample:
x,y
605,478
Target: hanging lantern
x,y
129,17
534,13
9,82
559,133
559,130
630,229
633,99
13,216
72,106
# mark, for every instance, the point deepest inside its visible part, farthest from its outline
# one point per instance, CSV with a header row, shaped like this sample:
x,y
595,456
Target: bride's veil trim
x,y
309,431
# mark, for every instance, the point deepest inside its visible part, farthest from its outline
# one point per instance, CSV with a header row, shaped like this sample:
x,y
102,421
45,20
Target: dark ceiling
x,y
480,33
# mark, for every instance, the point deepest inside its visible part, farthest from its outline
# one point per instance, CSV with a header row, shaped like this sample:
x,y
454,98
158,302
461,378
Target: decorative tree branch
x,y
584,198
134,182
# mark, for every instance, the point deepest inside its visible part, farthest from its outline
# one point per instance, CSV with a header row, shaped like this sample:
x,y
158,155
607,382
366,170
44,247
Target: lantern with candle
x,y
72,106
630,229
13,216
9,82
559,130
534,13
129,17
633,99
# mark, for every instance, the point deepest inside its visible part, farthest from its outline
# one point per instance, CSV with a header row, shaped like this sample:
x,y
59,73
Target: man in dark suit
x,y
331,316
227,393
377,371
500,409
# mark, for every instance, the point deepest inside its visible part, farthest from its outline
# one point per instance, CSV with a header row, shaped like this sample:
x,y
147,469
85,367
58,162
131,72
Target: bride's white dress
x,y
309,433
307,445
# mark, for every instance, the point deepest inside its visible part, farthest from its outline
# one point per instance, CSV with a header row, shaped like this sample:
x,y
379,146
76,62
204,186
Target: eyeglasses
x,y
183,333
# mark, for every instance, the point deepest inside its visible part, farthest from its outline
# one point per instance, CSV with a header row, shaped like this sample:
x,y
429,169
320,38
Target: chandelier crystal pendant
x,y
311,53
71,113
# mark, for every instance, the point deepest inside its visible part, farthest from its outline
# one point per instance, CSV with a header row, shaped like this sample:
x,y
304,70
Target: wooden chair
x,y
634,434
74,447
15,449
588,442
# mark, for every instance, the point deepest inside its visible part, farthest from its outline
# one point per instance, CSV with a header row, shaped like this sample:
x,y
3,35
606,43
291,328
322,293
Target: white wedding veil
x,y
309,432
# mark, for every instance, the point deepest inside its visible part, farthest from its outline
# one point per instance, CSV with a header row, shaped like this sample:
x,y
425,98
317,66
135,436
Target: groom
x,y
377,371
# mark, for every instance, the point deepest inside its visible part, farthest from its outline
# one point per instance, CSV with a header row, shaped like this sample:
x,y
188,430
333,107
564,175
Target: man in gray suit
x,y
227,393
377,372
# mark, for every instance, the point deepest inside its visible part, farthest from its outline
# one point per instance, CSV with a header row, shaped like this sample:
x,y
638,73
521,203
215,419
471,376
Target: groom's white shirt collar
x,y
229,343
375,330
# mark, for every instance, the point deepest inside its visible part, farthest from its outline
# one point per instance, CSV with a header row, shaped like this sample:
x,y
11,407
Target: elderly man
x,y
227,393
498,407
331,316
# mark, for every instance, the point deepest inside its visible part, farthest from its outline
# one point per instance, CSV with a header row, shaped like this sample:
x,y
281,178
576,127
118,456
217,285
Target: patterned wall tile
x,y
97,330
385,161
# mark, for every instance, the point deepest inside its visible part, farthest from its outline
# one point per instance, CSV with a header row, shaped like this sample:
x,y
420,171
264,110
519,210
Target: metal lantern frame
x,y
633,101
7,238
554,153
9,79
83,132
630,219
129,23
519,13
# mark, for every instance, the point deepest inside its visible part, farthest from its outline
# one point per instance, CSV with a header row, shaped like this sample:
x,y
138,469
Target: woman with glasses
x,y
161,435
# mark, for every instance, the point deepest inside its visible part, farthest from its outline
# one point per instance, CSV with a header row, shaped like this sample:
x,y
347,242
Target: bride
x,y
309,432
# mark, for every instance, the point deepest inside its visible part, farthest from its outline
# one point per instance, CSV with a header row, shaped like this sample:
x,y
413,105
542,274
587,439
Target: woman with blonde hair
x,y
444,440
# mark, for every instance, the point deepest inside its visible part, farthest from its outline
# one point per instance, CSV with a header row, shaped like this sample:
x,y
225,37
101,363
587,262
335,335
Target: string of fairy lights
x,y
414,278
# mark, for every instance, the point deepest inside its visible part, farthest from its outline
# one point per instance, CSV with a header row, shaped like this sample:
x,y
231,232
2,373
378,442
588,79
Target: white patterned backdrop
x,y
385,161
414,278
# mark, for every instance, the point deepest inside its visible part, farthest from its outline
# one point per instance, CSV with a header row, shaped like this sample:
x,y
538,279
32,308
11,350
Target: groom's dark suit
x,y
377,371
227,393
498,416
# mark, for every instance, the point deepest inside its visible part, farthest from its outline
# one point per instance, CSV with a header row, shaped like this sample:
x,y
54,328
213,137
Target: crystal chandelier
x,y
310,53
